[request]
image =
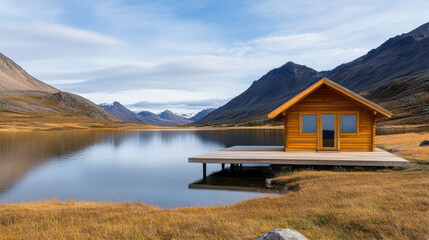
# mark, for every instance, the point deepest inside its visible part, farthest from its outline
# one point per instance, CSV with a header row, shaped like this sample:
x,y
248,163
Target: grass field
x,y
380,204
409,142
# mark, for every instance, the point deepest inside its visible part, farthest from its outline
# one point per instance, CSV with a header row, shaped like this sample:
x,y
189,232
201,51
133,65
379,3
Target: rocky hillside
x,y
76,105
400,61
35,103
407,96
13,77
23,95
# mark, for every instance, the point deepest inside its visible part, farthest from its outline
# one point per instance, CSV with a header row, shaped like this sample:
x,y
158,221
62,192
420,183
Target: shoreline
x,y
136,126
331,213
319,204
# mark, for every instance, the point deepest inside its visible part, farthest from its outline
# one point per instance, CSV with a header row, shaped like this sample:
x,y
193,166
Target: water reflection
x,y
247,179
140,166
148,166
21,151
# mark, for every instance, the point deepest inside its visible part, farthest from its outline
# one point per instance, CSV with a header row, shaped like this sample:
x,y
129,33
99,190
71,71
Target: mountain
x,y
201,114
72,104
270,90
166,118
23,98
401,64
168,115
120,112
13,77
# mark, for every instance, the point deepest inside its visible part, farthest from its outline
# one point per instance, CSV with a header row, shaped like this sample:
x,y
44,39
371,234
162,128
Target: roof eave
x,y
277,113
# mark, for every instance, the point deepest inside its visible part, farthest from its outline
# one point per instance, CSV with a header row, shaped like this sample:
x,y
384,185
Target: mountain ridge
x,y
25,98
397,59
13,77
165,118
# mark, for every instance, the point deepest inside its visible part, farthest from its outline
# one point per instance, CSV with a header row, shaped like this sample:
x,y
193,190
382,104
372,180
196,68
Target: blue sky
x,y
189,55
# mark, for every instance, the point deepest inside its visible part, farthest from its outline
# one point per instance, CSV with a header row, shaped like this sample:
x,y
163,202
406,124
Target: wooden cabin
x,y
327,116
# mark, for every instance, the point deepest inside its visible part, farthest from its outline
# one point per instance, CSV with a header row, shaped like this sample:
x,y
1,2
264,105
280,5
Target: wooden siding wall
x,y
325,100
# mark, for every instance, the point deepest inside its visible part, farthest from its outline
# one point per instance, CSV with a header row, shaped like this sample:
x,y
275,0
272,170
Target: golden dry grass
x,y
34,122
10,121
328,205
49,122
383,204
409,142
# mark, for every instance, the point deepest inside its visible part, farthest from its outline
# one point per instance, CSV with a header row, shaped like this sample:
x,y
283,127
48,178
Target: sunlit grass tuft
x,y
409,142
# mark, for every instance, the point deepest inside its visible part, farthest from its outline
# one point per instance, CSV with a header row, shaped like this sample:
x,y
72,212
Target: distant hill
x,y
170,116
201,114
120,112
166,118
24,97
154,119
384,74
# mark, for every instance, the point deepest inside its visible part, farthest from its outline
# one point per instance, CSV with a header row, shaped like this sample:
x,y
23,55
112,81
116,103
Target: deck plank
x,y
276,155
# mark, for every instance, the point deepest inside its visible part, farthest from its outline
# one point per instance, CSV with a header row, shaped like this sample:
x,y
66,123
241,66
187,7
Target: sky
x,y
191,54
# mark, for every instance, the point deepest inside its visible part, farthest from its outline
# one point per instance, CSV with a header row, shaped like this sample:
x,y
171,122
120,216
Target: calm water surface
x,y
148,166
140,166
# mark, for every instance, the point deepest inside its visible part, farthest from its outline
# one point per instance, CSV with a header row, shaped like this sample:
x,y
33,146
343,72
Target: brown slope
x,y
406,97
44,104
13,77
26,101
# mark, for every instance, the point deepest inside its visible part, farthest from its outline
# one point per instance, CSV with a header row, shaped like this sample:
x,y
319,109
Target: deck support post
x,y
223,167
204,171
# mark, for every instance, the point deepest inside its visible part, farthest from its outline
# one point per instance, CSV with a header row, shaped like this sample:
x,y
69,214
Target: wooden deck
x,y
276,155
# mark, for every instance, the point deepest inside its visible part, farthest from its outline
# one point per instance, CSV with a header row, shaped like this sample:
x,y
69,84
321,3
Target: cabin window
x,y
348,123
308,123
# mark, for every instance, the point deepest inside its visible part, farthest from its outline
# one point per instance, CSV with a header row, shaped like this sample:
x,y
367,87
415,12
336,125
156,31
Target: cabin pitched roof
x,y
379,112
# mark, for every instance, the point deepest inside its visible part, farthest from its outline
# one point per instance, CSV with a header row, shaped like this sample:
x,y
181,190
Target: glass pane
x,y
328,130
308,123
348,123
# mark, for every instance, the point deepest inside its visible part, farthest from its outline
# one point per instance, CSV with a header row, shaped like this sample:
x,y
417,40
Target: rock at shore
x,y
424,143
282,234
396,150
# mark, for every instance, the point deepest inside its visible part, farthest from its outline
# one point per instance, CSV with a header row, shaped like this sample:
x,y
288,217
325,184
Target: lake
x,y
149,166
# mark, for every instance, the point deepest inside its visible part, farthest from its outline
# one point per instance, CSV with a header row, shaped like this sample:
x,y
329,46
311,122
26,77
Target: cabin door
x,y
327,133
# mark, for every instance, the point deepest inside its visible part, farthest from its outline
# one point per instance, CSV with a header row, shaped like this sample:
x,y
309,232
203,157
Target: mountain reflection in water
x,y
139,166
148,166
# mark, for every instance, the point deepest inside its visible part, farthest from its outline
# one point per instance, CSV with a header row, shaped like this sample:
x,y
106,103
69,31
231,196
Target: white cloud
x,y
151,52
294,42
38,40
158,100
61,33
192,106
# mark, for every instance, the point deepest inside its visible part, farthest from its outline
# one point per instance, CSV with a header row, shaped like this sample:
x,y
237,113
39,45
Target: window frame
x,y
300,123
356,113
